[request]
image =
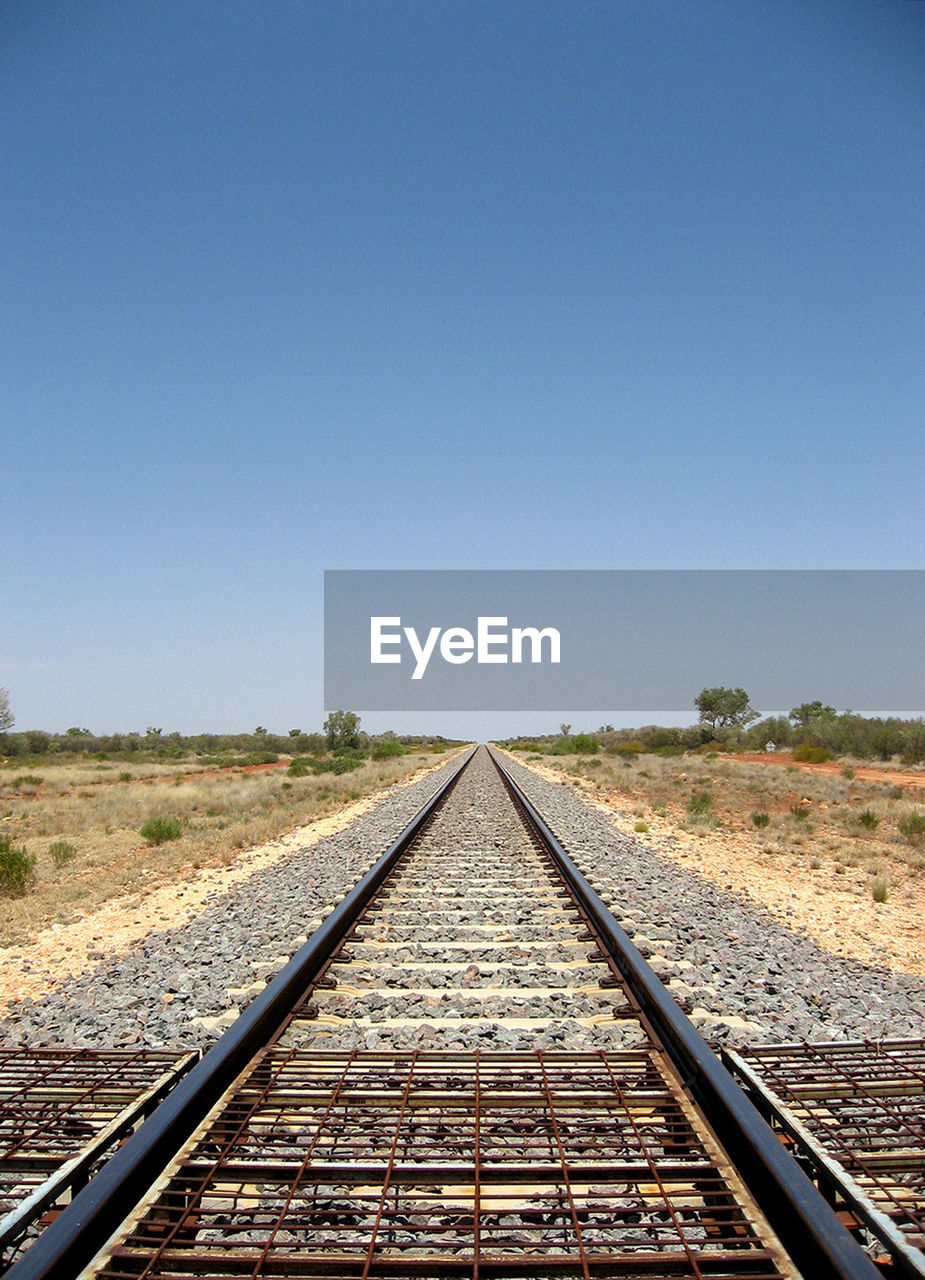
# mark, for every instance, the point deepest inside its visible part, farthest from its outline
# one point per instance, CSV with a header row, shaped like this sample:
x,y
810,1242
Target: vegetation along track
x,y
288,1151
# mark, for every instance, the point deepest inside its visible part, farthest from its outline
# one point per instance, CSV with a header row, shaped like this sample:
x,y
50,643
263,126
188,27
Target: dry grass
x,y
857,887
221,812
820,811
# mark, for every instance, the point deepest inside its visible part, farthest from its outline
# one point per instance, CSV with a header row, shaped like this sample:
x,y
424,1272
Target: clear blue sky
x,y
297,286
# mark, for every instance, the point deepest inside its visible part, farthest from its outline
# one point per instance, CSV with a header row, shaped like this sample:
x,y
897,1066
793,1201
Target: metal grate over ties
x,y
390,1169
296,1182
193,1198
26,1120
13,1120
576,1226
854,1113
61,1112
653,1168
864,1137
892,1120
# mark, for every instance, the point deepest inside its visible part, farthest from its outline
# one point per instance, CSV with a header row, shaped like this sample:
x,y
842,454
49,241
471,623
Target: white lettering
x,y
378,637
456,645
421,654
487,638
536,638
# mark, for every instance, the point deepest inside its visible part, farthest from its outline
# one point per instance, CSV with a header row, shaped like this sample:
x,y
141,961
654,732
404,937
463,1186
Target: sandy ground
x,y
65,950
836,911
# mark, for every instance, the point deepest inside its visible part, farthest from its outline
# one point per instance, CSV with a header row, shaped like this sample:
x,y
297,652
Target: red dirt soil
x,y
897,777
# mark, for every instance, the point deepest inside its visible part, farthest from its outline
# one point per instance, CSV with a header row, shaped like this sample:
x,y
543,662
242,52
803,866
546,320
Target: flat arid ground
x,y
116,887
818,865
832,843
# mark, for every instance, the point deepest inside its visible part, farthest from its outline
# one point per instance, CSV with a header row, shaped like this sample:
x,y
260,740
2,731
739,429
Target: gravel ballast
x,y
746,976
750,978
182,987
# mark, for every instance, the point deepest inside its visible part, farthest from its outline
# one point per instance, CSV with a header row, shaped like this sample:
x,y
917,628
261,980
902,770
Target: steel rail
x,y
82,1229
818,1242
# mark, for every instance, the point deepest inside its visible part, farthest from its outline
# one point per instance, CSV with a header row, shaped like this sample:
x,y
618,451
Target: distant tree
x,y
723,708
817,725
295,733
809,714
37,741
342,729
75,732
565,730
7,719
260,731
774,729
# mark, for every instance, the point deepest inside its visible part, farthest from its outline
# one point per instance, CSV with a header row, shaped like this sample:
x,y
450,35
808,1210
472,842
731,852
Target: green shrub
x,y
800,812
125,776
386,750
699,803
806,753
159,830
298,768
869,820
17,869
896,793
641,827
628,750
337,764
61,852
344,764
848,771
912,825
879,889
761,819
27,780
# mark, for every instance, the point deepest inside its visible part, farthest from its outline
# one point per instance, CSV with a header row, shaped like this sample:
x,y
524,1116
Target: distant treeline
x,y
258,747
823,734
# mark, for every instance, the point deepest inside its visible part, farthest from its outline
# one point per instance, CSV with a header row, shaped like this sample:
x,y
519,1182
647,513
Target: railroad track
x,y
468,1070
